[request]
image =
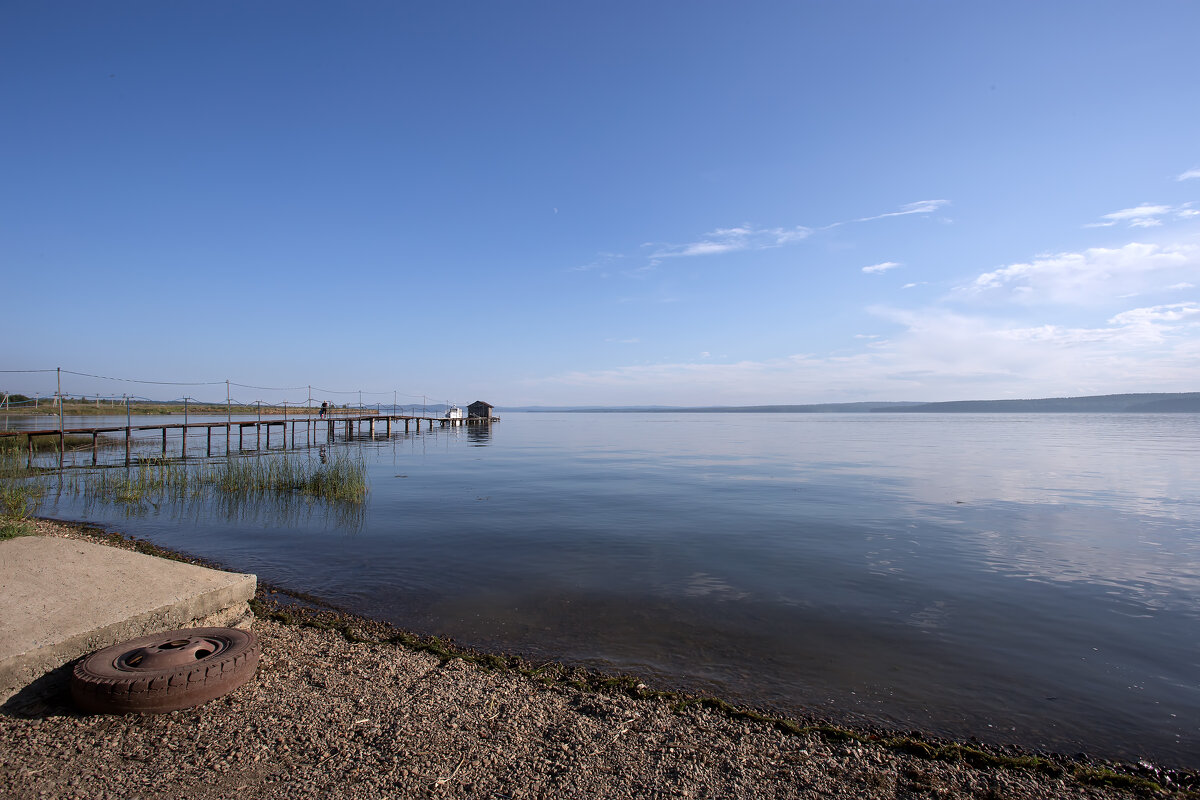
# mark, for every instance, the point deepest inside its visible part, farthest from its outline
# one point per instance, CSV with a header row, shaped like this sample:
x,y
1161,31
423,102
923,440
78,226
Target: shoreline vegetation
x,y
339,480
350,707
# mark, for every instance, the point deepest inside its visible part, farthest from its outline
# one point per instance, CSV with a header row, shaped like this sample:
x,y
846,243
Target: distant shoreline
x,y
1144,403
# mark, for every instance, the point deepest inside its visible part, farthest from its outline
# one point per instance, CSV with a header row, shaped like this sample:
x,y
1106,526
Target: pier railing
x,y
280,413
316,429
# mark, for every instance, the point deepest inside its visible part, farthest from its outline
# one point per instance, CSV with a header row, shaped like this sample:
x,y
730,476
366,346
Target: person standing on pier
x,y
324,408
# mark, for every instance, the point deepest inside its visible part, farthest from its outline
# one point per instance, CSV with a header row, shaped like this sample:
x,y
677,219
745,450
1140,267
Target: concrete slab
x,y
63,598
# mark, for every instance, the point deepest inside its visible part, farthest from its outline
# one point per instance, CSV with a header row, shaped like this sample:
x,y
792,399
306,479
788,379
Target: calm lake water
x,y
1021,578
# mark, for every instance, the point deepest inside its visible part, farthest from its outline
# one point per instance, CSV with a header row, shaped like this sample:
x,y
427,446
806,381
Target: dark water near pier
x,y
1024,578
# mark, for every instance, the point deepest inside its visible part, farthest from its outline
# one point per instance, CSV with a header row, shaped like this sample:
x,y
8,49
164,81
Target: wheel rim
x,y
179,651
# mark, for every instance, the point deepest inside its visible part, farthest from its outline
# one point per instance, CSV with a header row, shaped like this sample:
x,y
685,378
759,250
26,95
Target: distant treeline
x,y
1187,402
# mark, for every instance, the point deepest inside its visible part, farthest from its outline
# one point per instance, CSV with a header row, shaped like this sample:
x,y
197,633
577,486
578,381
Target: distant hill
x,y
1098,404
1149,403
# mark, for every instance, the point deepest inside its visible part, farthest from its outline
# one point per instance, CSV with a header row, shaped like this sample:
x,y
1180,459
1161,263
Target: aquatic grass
x,y
12,528
19,445
132,486
18,500
20,492
341,480
12,461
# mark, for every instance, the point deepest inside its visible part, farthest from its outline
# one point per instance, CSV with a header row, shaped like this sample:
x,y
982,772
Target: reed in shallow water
x,y
342,480
19,495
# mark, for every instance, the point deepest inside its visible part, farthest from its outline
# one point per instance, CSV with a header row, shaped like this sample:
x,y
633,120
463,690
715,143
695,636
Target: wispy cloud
x,y
740,238
876,269
1155,314
1058,323
1187,176
935,354
728,240
919,207
600,262
1094,275
1143,216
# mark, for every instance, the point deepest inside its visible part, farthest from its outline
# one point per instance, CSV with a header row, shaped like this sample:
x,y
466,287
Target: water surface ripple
x,y
1024,578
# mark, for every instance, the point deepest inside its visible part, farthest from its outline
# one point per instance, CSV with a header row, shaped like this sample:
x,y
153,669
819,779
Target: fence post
x,y
62,436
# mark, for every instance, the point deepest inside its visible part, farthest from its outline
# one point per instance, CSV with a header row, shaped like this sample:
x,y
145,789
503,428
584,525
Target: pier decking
x,y
310,426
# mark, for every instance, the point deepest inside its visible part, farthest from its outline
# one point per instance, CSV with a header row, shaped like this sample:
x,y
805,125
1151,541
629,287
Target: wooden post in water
x,y
94,453
183,443
62,436
164,447
128,430
240,429
208,442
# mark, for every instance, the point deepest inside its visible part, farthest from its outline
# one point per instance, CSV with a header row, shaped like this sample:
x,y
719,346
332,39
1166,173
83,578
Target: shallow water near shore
x,y
1020,578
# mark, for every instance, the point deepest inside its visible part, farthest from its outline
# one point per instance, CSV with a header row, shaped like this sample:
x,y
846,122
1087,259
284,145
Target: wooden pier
x,y
353,426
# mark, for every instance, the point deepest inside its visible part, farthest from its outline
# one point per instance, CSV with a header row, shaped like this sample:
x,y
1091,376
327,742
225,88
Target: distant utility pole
x,y
62,437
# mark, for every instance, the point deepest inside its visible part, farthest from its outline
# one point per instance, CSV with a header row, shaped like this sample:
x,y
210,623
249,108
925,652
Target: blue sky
x,y
603,203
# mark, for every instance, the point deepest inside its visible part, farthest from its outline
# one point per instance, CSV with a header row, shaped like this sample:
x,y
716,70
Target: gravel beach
x,y
344,707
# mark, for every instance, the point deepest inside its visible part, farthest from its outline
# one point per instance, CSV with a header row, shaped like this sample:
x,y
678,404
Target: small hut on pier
x,y
480,409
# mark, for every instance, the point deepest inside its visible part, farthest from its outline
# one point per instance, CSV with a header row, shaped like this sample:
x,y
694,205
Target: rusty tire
x,y
166,671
